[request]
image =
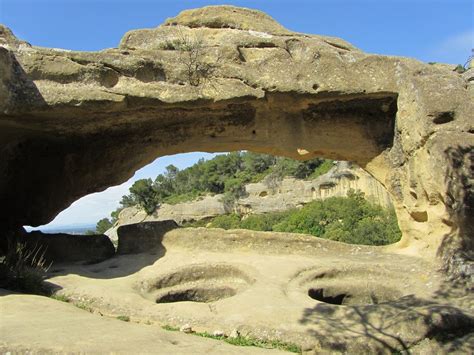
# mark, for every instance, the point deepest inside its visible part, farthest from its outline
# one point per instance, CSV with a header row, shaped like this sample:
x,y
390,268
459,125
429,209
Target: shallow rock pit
x,y
196,283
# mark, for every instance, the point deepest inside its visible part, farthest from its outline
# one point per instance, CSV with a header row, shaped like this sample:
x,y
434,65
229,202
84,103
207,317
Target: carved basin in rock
x,y
196,283
350,285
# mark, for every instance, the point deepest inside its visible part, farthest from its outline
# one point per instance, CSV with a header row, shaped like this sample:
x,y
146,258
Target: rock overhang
x,y
212,80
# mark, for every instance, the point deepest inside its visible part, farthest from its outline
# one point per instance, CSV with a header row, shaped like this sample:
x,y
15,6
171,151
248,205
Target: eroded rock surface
x,y
226,78
61,247
321,295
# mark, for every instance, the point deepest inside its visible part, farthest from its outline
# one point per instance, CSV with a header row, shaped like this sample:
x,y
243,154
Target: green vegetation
x,y
224,174
60,297
460,69
245,341
124,318
23,269
170,328
85,306
101,227
350,219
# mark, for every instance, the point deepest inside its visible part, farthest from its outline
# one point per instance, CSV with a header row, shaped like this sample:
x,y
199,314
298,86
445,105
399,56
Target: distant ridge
x,y
70,229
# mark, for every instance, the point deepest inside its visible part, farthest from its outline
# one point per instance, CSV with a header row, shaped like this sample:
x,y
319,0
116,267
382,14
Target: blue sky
x,y
428,30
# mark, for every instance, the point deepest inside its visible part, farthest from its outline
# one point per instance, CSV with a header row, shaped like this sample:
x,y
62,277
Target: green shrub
x,y
228,221
184,197
263,222
350,219
322,169
103,225
60,297
23,269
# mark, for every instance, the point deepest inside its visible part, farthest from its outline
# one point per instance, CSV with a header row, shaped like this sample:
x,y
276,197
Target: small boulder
x,y
186,328
218,333
234,334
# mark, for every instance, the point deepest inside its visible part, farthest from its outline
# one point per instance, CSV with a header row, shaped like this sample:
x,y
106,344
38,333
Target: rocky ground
x,y
317,294
73,123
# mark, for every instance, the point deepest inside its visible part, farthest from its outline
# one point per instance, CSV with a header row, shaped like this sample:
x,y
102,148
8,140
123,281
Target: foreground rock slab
x,y
318,294
40,325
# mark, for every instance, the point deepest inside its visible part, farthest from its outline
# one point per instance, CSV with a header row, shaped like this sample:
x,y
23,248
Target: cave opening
x,y
245,190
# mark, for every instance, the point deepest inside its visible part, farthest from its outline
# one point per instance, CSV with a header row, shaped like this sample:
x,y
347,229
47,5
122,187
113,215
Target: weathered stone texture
x,y
68,248
222,79
143,237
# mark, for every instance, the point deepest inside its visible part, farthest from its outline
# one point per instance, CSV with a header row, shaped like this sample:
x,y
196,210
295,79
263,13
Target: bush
x,y
350,219
103,225
263,222
23,269
228,221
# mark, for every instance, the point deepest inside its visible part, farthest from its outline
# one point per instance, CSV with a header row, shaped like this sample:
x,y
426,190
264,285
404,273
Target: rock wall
x,y
292,193
61,247
224,78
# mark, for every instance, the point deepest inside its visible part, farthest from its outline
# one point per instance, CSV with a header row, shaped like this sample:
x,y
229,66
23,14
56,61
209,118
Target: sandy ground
x,y
323,296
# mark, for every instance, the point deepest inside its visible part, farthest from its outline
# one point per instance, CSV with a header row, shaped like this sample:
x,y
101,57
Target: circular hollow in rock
x,y
197,295
196,283
351,295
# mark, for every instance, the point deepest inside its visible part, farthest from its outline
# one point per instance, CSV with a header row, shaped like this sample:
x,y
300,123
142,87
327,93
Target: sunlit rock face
x,y
225,78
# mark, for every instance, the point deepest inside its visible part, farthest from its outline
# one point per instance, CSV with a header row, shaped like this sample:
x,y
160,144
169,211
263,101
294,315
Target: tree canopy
x,y
225,173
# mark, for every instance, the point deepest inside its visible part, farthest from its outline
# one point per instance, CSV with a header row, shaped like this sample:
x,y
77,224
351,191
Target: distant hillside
x,y
79,229
266,197
225,174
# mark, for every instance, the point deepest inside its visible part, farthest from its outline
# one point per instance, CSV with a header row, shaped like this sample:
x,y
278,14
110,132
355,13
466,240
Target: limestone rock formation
x,y
143,237
62,247
261,198
293,193
223,79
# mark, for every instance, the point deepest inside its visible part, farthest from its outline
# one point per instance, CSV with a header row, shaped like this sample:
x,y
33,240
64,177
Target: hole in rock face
x,y
318,294
443,117
353,294
358,286
223,190
205,295
196,283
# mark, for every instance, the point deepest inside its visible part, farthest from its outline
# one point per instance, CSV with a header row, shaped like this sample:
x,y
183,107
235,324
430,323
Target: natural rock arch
x,y
223,78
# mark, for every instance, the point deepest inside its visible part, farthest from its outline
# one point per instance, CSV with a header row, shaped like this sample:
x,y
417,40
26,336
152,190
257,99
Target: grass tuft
x,y
245,341
60,297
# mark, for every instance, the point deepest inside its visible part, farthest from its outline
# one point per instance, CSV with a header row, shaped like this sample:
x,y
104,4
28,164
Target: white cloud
x,y
460,41
455,49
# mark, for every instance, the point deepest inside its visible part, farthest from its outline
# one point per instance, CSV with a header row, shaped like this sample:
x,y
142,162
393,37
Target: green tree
x,y
257,163
103,225
145,194
225,173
